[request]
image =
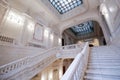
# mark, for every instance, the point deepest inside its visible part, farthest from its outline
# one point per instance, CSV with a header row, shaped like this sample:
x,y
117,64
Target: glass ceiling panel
x,y
83,28
64,6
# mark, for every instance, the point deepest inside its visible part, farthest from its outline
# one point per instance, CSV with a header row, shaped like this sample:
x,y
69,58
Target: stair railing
x,y
41,60
14,67
73,46
78,66
70,51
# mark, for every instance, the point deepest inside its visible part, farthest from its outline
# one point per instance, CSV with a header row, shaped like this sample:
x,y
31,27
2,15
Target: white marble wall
x,y
21,27
111,12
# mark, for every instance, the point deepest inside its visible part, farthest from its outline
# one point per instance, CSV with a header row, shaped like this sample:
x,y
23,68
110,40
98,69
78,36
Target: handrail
x,y
23,63
73,46
77,67
14,67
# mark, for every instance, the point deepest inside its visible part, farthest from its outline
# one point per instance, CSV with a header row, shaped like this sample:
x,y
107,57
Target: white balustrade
x,y
9,69
78,66
13,67
36,62
70,51
73,46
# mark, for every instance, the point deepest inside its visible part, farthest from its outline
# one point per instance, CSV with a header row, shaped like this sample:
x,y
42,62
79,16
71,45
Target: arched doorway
x,y
89,31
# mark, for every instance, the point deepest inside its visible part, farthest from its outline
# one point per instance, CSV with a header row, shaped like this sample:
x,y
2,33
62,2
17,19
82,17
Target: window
x,y
64,6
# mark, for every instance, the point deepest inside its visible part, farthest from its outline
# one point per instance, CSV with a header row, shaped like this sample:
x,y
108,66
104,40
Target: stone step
x,y
110,72
97,53
104,64
92,77
100,53
103,53
100,77
103,67
105,58
103,61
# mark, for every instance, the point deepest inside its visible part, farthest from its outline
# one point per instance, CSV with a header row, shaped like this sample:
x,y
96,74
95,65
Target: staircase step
x,y
92,77
105,64
103,67
104,61
112,72
100,77
104,55
105,52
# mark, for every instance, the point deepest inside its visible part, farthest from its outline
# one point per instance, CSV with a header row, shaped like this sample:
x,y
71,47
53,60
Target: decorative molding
x,y
38,32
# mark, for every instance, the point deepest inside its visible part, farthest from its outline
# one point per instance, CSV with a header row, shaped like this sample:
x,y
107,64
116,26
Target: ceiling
x,y
83,28
46,13
63,6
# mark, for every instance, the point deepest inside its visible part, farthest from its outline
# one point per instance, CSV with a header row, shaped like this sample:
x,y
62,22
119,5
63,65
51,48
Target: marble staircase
x,y
104,63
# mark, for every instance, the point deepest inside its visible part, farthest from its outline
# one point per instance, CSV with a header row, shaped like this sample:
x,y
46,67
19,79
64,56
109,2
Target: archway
x,y
89,31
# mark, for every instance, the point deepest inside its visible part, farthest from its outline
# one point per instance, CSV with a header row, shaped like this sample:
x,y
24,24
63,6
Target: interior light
x,y
60,72
46,32
14,17
59,40
50,75
111,9
42,77
31,26
51,36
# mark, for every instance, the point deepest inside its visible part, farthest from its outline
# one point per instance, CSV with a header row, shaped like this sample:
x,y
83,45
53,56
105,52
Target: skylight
x,y
64,6
83,28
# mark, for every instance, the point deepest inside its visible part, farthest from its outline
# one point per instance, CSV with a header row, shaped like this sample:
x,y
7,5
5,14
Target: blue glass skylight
x,y
64,6
83,28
